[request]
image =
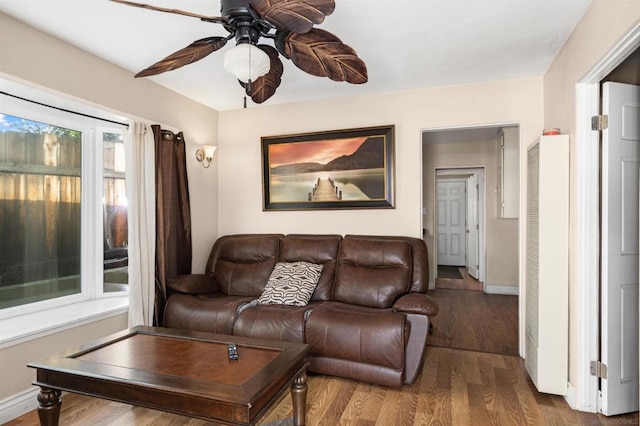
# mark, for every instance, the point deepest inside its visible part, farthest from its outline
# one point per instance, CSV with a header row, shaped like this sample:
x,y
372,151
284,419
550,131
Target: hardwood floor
x,y
455,387
467,282
473,320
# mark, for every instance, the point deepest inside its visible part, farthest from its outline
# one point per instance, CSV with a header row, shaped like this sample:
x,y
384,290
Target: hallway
x,y
473,320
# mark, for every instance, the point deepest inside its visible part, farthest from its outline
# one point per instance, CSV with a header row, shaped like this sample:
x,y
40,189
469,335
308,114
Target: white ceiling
x,y
406,44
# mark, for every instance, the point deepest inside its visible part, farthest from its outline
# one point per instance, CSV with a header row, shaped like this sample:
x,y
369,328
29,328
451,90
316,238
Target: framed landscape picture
x,y
340,169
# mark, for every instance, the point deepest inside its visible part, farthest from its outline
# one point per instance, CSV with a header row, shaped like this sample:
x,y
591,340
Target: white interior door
x,y
473,226
451,211
620,234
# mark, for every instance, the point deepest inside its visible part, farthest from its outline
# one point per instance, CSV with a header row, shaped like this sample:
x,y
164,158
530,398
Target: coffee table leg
x,y
49,406
299,398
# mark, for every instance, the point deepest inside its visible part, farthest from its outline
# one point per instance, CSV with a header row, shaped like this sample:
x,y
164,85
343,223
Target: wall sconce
x,y
205,154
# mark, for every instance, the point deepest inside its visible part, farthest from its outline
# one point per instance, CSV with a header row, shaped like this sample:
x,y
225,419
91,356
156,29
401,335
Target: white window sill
x,y
31,326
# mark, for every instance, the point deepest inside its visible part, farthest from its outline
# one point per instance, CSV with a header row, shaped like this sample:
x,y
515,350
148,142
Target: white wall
x,y
34,58
514,101
605,23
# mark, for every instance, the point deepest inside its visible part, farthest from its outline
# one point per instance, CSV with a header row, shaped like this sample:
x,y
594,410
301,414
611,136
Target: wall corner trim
x,y
570,397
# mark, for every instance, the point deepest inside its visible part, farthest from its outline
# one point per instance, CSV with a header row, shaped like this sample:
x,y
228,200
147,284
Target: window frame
x,y
98,132
91,213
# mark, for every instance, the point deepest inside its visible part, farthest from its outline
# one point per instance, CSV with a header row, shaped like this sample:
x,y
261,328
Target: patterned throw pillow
x,y
291,284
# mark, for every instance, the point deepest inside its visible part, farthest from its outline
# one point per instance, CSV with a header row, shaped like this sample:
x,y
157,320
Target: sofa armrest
x,y
416,303
193,284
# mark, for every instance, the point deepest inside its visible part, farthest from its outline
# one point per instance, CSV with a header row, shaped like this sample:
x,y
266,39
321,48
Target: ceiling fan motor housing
x,y
240,21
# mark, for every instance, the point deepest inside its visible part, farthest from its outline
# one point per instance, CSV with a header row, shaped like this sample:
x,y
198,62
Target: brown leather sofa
x,y
367,319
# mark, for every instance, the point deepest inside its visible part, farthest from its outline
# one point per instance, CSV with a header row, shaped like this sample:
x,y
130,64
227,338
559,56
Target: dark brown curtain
x,y
173,214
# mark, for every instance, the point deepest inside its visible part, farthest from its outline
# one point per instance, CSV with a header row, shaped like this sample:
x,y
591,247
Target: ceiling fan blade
x,y
190,54
322,54
176,11
264,87
297,16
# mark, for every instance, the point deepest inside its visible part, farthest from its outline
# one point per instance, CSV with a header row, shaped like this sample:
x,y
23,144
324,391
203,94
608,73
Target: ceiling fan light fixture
x,y
288,23
246,62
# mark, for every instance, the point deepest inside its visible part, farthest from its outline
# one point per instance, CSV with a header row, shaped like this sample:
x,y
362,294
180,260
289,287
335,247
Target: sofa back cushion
x,y
242,264
419,256
318,249
372,272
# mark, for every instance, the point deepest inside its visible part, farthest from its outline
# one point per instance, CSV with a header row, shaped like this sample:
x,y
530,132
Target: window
x,y
115,228
60,241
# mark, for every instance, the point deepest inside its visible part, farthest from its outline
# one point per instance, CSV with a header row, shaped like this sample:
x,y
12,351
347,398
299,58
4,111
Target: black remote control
x,y
233,352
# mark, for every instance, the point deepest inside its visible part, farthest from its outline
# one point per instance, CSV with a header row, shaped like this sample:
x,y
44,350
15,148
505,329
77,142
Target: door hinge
x,y
598,369
599,122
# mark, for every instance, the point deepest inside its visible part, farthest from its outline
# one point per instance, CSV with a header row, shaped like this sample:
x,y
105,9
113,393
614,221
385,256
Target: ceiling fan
x,y
289,23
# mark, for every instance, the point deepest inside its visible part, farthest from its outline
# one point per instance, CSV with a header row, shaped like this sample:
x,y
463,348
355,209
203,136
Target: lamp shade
x,y
209,150
246,62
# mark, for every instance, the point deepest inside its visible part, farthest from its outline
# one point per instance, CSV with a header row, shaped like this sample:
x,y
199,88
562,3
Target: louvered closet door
x,y
531,316
547,264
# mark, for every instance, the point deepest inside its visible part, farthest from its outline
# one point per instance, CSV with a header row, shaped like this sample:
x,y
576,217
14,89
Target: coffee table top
x,y
182,365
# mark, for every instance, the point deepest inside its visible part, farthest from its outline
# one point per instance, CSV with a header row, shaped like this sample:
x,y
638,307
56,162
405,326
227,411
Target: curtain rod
x,y
65,110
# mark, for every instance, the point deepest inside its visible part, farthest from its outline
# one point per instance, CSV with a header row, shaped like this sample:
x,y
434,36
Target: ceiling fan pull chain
x,y
248,92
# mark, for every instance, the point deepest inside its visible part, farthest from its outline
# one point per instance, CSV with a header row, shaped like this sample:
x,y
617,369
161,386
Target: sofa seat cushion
x,y
274,322
356,333
213,313
291,283
372,272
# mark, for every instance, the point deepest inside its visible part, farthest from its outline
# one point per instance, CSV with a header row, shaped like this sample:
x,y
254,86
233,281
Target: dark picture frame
x,y
339,169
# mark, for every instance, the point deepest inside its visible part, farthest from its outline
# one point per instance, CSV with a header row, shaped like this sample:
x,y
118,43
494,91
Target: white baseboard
x,y
432,285
18,404
501,289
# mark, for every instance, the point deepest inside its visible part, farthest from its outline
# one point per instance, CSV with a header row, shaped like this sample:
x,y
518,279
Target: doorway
x,y
472,156
595,393
454,153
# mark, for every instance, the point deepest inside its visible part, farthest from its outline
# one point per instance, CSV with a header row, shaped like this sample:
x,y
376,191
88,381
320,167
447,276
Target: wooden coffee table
x,y
187,373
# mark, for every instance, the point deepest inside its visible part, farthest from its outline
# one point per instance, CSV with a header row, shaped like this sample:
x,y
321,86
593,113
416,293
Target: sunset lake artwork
x,y
328,172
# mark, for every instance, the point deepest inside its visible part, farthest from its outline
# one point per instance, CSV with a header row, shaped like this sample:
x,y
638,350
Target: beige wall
x,y
30,56
501,234
17,377
511,101
605,23
235,203
627,73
